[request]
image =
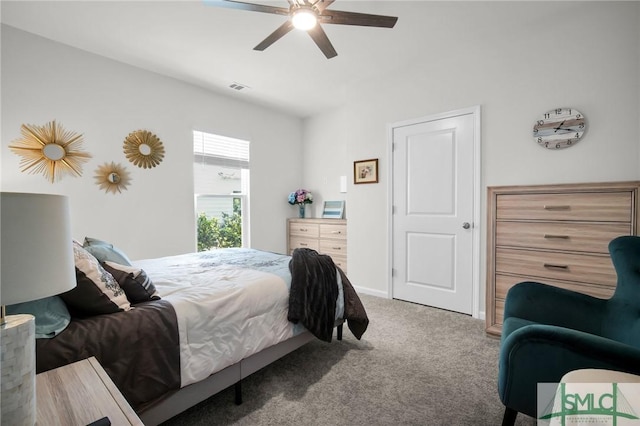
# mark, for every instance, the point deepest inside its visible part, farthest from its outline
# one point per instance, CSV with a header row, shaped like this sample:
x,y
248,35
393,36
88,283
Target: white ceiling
x,y
212,47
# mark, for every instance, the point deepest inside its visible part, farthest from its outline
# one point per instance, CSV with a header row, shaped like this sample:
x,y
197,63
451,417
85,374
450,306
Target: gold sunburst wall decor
x,y
50,150
144,149
112,177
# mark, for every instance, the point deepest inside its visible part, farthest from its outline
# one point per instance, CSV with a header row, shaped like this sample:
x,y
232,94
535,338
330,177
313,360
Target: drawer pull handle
x,y
303,229
336,232
550,265
557,207
304,244
563,237
337,248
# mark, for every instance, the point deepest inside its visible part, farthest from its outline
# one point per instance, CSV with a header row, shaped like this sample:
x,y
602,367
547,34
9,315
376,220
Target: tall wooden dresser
x,y
557,235
327,236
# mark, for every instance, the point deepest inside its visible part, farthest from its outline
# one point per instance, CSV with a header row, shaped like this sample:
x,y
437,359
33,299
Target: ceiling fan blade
x,y
275,36
320,37
322,4
233,4
353,18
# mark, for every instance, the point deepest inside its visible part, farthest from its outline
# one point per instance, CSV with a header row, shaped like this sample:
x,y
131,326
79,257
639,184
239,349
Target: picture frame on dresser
x,y
333,210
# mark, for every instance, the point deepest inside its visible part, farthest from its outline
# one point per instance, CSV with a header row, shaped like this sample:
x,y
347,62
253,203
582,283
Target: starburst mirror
x,y
112,177
144,149
50,150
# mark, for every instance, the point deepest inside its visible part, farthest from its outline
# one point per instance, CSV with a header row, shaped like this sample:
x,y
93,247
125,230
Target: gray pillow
x,y
105,251
52,315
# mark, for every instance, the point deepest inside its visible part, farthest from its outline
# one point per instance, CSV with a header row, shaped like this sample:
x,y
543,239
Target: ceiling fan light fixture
x,y
304,19
310,16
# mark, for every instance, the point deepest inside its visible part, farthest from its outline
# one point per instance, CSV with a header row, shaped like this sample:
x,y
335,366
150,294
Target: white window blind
x,y
220,150
221,164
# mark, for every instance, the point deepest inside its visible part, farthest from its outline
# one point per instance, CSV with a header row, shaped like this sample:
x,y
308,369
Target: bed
x,y
199,322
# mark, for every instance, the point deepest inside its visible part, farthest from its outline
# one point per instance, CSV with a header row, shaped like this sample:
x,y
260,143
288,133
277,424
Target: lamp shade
x,y
36,249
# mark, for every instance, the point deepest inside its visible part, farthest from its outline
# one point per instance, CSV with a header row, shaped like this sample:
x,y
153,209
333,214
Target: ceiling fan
x,y
307,15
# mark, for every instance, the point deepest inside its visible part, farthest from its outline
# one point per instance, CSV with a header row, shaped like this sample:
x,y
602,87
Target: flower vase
x,y
301,211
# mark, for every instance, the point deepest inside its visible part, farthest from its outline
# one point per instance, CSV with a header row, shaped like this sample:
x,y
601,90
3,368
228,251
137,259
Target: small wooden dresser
x,y
327,236
557,235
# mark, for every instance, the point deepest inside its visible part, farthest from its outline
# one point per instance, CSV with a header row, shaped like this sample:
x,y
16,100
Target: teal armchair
x,y
548,331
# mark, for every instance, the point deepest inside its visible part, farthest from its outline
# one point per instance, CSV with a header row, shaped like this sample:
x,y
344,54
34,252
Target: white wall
x,y
105,101
325,159
584,55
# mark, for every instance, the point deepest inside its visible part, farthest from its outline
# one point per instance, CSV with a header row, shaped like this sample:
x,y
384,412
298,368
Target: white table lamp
x,y
37,261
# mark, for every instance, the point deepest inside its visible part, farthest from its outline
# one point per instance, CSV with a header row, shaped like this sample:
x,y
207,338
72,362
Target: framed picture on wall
x,y
333,210
365,171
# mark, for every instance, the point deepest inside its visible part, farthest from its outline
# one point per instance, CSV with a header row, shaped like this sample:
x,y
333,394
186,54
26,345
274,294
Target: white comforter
x,y
229,304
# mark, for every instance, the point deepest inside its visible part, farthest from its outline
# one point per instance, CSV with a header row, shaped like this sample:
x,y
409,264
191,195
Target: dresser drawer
x,y
333,231
569,236
310,230
560,266
589,206
505,282
333,247
499,312
340,261
297,242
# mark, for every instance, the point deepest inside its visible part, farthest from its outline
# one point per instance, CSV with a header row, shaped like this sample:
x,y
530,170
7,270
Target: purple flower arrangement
x,y
300,196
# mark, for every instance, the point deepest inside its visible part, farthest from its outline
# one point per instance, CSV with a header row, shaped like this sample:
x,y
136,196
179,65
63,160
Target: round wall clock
x,y
559,128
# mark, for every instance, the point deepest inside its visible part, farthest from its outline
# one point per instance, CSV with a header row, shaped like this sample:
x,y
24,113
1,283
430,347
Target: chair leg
x,y
509,418
340,331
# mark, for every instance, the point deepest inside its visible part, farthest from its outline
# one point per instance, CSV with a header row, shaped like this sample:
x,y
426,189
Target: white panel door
x,y
433,194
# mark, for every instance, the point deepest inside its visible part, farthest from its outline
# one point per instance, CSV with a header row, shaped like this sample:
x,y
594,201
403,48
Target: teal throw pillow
x,y
105,251
52,315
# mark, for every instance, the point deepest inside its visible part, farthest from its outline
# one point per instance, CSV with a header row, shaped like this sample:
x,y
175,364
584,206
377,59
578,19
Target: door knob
x,y
466,225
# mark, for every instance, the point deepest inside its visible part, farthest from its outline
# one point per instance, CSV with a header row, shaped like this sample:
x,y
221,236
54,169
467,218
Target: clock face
x,y
559,128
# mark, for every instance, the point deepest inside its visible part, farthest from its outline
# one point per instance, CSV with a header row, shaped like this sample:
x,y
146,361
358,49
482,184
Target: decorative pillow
x,y
135,282
104,251
97,292
52,315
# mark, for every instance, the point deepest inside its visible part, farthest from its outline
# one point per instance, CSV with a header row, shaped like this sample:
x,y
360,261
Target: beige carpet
x,y
415,365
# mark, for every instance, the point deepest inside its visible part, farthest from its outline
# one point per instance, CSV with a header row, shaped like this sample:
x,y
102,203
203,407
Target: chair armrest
x,y
546,304
543,354
619,356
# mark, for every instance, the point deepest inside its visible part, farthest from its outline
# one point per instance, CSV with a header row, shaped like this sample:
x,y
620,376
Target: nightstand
x,y
79,394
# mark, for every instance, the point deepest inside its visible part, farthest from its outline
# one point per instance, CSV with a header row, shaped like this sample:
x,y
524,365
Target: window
x,y
221,189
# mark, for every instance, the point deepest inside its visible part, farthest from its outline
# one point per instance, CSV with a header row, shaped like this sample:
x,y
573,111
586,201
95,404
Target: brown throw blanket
x,y
313,294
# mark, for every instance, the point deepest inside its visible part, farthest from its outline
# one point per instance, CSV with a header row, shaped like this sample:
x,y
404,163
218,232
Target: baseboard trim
x,y
371,292
383,294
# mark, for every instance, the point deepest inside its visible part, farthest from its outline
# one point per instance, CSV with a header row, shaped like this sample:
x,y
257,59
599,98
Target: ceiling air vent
x,y
238,86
